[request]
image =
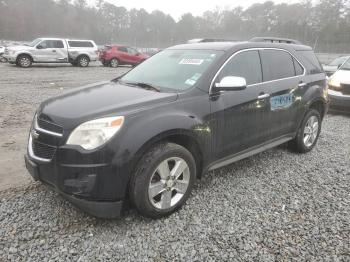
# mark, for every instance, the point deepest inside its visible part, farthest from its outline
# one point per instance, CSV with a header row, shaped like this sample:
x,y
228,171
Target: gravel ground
x,y
275,206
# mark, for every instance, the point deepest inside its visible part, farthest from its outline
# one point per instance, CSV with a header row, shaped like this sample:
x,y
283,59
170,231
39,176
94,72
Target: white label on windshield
x,y
191,61
190,82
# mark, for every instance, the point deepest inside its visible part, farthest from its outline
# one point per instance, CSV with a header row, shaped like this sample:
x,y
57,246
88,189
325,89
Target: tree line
x,y
325,25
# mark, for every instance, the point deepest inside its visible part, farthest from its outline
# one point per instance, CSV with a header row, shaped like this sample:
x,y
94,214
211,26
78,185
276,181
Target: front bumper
x,y
102,209
10,58
339,101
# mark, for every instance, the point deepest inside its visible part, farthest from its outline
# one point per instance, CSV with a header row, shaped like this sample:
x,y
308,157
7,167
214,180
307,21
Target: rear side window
x,y
311,62
246,64
52,44
80,44
299,70
277,64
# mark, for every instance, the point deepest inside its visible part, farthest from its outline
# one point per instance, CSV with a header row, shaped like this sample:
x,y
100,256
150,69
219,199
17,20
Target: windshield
x,y
346,65
173,70
338,61
34,43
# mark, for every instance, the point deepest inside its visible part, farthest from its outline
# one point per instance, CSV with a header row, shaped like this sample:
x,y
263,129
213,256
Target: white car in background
x,y
53,50
2,51
339,88
333,66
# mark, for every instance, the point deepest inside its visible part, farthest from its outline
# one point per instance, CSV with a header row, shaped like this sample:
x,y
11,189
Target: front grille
x,y
345,89
42,150
49,126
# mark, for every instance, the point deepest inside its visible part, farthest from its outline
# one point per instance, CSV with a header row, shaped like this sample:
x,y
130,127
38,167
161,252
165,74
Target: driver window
x,y
245,64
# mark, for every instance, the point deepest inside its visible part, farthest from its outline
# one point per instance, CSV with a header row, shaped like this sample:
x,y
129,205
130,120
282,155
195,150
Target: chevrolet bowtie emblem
x,y
34,134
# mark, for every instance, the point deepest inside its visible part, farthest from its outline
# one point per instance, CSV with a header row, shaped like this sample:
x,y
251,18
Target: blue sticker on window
x,y
282,101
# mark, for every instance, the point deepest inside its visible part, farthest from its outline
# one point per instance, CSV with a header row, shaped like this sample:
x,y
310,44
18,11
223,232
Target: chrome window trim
x,y
257,49
36,127
31,152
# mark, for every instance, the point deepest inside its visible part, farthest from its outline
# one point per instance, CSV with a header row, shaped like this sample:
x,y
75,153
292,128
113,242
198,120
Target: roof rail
x,y
275,40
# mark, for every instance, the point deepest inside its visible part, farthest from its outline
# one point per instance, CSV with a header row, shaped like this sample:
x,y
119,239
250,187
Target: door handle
x,y
302,84
263,96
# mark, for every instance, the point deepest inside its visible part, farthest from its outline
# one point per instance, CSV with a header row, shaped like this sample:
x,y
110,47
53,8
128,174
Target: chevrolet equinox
x,y
145,137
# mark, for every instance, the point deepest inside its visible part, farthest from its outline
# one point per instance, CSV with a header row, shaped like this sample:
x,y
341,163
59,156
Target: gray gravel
x,y
274,206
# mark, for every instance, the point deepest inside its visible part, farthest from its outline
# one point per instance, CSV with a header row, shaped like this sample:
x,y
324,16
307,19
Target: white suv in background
x,y
53,50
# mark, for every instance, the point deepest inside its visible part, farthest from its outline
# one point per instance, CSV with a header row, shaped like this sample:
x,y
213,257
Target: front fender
x,y
141,131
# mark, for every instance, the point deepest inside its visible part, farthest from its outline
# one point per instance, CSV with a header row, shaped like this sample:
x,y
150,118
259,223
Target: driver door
x,y
51,51
240,118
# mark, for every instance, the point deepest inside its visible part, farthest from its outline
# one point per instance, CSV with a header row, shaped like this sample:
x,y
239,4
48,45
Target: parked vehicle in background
x,y
339,88
147,135
115,55
333,66
53,50
2,51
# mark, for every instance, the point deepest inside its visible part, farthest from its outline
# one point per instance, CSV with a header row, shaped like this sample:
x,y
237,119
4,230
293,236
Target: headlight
x,y
333,82
95,133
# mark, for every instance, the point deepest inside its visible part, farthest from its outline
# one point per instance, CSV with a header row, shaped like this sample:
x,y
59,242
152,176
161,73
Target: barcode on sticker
x,y
191,61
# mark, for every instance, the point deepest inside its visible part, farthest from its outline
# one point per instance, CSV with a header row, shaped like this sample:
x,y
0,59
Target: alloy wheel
x,y
169,183
24,61
84,61
311,131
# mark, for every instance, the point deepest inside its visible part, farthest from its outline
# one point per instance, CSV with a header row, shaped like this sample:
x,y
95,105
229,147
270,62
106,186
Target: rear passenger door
x,y
283,82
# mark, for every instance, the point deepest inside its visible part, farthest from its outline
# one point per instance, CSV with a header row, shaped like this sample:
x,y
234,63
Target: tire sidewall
x,y
300,137
145,171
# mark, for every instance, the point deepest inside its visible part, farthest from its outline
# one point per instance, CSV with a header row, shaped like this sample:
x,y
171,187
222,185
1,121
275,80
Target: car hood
x,y
342,76
19,48
99,100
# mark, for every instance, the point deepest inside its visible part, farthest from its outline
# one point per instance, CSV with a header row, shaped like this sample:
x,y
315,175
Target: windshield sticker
x,y
196,76
191,61
281,102
190,82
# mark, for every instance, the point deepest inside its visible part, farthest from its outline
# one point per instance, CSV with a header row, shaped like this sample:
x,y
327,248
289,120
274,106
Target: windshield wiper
x,y
142,85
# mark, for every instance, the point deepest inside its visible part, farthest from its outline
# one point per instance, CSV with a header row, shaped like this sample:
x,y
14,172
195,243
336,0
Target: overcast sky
x,y
178,7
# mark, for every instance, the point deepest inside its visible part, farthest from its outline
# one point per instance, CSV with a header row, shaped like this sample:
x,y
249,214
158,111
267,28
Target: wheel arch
x,y
181,137
319,105
26,54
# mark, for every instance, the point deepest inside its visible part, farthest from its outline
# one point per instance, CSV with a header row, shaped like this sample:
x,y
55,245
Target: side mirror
x,y
39,47
232,83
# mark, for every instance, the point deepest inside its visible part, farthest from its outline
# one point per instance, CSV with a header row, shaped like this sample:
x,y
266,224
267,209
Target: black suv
x,y
146,136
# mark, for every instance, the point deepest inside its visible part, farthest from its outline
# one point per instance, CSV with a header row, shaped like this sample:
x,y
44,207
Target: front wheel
x,y
308,132
163,180
24,61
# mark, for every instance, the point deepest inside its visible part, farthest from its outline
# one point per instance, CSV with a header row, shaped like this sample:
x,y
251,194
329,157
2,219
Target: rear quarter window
x,y
80,44
310,61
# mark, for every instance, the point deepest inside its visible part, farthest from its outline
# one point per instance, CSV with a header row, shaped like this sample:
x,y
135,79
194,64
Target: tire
x,y
3,59
24,61
114,63
308,132
152,175
83,61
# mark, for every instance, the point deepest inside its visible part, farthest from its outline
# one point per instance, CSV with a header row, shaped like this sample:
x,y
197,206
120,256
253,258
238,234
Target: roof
x,y
226,46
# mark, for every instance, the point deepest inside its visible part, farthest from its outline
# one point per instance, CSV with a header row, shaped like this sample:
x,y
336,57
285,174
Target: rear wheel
x,y
24,61
163,180
308,132
83,61
114,63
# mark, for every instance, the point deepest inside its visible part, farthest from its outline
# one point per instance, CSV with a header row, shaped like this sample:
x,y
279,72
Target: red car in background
x,y
115,55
